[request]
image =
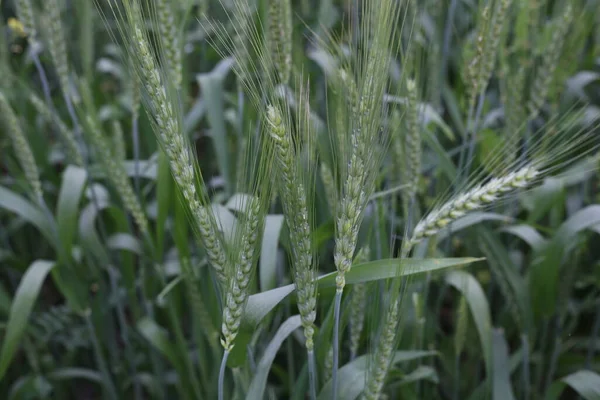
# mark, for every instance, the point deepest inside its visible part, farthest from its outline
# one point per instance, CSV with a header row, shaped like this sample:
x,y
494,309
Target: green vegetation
x,y
250,199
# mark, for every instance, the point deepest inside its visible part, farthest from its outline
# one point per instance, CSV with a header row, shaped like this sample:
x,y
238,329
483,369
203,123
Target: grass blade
x,y
25,297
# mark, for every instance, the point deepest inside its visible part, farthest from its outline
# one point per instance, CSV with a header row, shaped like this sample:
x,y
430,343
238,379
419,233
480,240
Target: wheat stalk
x,y
357,306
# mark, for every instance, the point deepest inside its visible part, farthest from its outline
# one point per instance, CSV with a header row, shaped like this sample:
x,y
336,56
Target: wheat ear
x,y
280,38
383,354
296,213
56,43
170,39
295,208
238,290
329,184
179,158
115,172
471,200
21,147
545,72
25,14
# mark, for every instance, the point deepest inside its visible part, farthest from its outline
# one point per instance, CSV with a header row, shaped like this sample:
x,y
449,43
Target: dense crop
x,y
299,199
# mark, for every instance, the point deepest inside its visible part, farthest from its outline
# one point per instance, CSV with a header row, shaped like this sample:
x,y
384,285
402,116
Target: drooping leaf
x,y
31,213
351,377
259,382
22,305
479,307
586,383
268,254
502,389
67,209
259,305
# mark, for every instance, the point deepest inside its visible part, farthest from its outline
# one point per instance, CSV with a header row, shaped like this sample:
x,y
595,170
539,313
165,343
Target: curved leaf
x,y
63,374
259,382
526,233
581,220
351,376
29,212
125,242
479,307
268,253
501,377
586,383
21,308
67,209
393,268
259,305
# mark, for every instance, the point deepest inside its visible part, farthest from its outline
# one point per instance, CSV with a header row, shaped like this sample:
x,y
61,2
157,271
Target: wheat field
x,y
307,199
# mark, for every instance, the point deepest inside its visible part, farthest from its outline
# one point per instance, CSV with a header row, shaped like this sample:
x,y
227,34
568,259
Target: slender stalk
x,y
335,344
222,374
135,133
312,374
555,354
124,331
456,395
109,386
526,372
593,339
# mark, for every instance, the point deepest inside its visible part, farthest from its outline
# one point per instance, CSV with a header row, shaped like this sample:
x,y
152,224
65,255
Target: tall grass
x,y
356,145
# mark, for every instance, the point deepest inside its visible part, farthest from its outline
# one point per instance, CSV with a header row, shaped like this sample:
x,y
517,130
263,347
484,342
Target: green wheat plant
x,y
299,200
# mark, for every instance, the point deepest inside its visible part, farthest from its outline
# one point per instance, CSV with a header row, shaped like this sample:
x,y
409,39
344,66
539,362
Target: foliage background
x,y
88,311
